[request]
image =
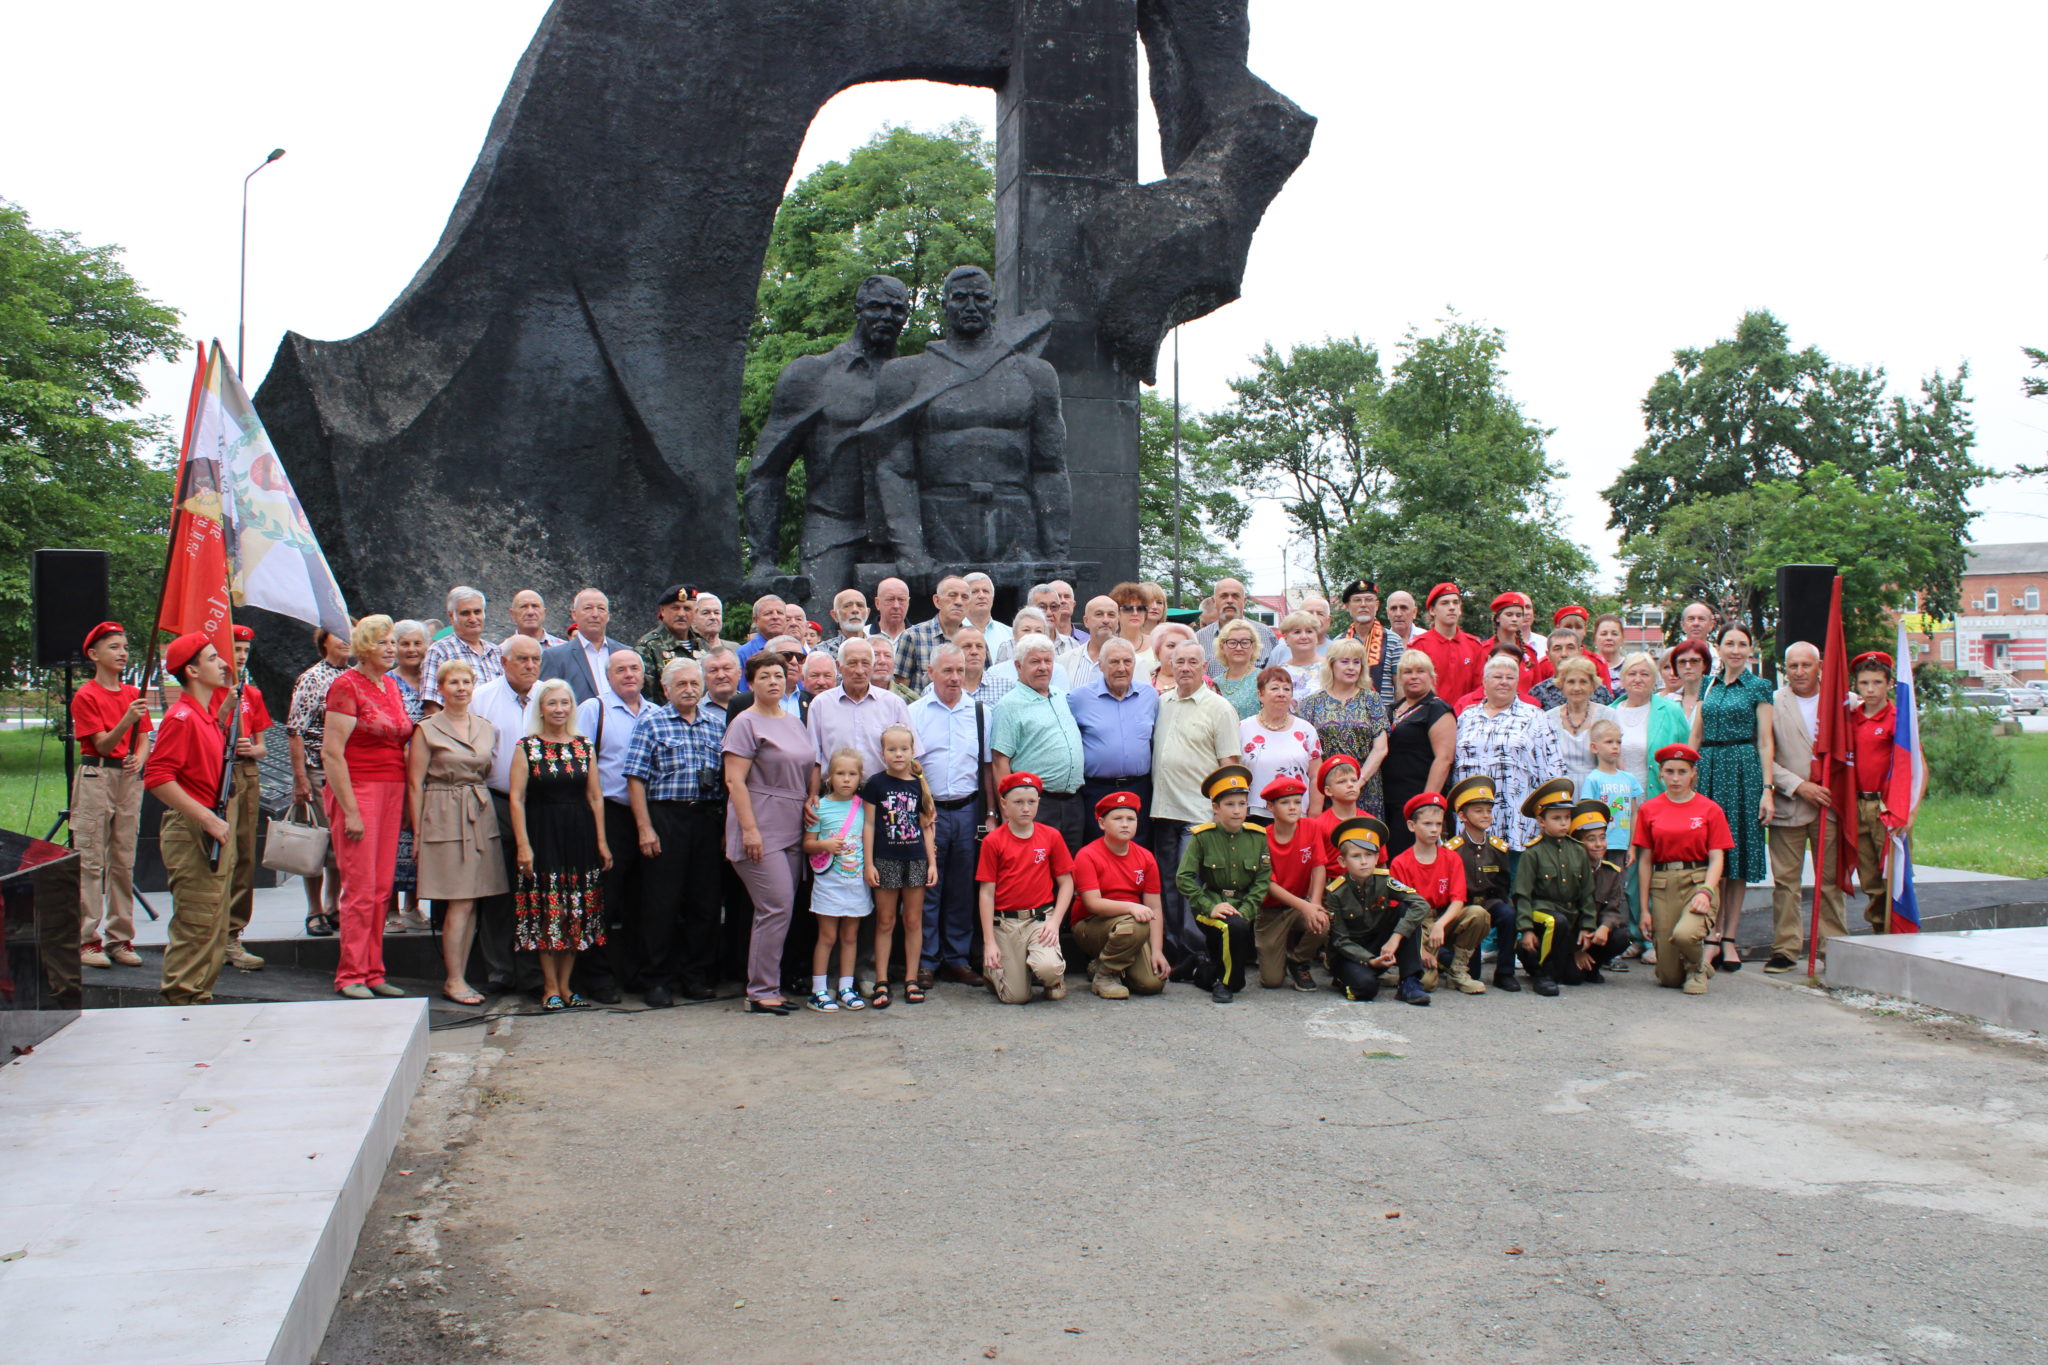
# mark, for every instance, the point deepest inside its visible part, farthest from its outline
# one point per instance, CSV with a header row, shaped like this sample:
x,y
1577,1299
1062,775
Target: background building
x,y
2002,627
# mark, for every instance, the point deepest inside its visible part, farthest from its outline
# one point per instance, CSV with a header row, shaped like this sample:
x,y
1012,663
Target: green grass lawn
x,y
2002,833
26,803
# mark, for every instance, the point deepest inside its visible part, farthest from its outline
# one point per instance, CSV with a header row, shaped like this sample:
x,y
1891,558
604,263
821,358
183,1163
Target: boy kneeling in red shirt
x,y
1117,918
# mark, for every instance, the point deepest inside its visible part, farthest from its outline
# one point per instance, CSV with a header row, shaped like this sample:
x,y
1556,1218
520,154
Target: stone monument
x,y
553,401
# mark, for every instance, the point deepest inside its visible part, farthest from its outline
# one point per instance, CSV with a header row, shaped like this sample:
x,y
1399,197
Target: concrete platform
x,y
186,1186
1997,975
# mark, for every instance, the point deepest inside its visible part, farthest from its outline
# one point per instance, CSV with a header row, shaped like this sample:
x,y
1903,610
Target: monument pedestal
x,y
1013,580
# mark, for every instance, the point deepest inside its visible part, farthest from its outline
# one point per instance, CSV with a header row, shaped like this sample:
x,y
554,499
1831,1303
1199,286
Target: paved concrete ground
x,y
1622,1174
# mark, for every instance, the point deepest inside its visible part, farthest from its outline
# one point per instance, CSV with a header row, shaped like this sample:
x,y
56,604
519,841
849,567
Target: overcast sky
x,y
1606,183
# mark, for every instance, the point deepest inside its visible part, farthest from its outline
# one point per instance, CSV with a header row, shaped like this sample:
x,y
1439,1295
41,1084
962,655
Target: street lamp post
x,y
1176,468
242,307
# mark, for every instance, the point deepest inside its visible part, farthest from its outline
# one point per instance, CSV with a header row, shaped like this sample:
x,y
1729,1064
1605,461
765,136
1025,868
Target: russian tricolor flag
x,y
1903,790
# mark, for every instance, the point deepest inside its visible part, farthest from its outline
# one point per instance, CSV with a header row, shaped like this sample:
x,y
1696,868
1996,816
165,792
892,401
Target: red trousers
x,y
367,867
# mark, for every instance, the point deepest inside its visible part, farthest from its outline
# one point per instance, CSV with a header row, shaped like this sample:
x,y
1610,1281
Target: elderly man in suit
x,y
582,660
1795,819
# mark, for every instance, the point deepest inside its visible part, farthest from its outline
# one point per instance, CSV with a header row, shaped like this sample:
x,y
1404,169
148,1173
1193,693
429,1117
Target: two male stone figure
x,y
953,456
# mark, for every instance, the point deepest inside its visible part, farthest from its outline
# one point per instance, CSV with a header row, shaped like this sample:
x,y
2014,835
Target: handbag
x,y
297,841
821,861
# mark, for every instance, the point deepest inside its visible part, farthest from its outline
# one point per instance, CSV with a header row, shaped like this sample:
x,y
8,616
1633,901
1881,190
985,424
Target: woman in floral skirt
x,y
558,828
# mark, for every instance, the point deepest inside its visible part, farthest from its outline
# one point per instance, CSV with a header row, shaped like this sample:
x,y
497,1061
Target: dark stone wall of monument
x,y
553,400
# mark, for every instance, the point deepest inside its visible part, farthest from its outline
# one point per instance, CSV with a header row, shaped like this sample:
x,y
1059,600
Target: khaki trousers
x,y
1283,942
1677,930
1119,944
106,813
247,814
197,941
1789,906
1872,835
1024,959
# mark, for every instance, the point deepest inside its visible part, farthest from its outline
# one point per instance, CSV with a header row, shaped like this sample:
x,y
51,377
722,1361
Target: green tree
x,y
1750,411
1212,512
78,467
908,204
1294,427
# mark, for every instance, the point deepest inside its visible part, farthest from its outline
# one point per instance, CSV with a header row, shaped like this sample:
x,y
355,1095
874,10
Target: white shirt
x,y
598,658
1071,671
1809,711
505,709
618,737
951,768
1635,741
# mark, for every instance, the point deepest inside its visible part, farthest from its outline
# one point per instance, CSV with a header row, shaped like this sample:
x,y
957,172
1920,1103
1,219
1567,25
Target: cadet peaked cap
x,y
1556,792
1360,829
1588,813
1231,777
1478,787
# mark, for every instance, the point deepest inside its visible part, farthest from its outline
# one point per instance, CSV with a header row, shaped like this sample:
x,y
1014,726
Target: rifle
x,y
232,731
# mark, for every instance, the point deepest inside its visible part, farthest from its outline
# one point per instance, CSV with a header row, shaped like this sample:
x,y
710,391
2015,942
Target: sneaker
x,y
358,991
92,955
413,922
1410,992
1057,989
849,999
385,988
125,954
238,956
1109,985
1220,993
1779,963
822,1002
1299,976
1695,983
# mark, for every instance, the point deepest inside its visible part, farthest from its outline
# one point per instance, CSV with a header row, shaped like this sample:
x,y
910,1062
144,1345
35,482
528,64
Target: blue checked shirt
x,y
669,752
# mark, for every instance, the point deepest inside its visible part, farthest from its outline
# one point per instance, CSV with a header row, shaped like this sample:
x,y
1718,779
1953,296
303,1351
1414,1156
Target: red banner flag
x,y
195,596
1831,753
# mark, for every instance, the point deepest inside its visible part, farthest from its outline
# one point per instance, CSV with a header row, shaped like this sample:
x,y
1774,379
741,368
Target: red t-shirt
x,y
255,715
1023,869
1681,832
95,710
187,751
1439,883
1872,738
376,747
1132,877
1459,660
1295,861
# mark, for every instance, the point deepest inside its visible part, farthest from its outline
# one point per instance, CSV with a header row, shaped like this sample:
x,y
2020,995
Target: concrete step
x,y
119,987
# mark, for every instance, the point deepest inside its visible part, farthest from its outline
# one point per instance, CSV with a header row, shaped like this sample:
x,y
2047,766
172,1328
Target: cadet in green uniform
x,y
1610,894
1485,855
1375,921
671,638
1553,890
1224,874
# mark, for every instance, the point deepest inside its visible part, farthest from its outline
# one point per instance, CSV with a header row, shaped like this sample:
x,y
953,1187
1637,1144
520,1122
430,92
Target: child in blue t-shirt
x,y
839,884
1622,792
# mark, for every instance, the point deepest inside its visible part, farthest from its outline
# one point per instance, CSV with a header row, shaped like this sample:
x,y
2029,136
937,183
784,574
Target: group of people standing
x,y
1173,802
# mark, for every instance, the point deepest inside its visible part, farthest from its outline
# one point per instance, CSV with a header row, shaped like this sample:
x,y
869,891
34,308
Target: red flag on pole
x,y
1831,744
195,596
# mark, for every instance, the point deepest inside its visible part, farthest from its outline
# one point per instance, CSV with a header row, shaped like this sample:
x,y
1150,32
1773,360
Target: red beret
x,y
1570,609
1323,772
1512,599
101,632
1440,590
1115,801
815,626
1284,785
1423,801
245,632
184,650
1876,657
1684,752
1015,780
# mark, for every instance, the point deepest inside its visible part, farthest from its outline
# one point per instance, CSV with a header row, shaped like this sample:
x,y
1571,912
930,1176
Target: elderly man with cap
x,y
674,637
1457,654
1554,911
1383,652
111,720
1026,876
248,797
1291,926
1375,921
1684,841
1489,883
1224,875
184,771
1118,920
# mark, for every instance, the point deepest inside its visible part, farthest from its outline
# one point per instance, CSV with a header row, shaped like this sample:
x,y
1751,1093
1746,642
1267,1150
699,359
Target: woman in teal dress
x,y
1733,734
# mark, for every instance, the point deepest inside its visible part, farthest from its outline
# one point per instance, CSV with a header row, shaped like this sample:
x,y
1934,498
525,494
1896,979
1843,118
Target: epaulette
x,y
1255,826
1197,829
1455,842
1498,842
1609,862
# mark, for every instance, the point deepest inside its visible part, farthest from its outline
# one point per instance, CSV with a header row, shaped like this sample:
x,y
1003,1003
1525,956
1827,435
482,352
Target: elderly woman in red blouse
x,y
363,752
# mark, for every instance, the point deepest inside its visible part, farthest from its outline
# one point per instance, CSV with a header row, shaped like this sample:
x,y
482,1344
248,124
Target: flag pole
x,y
171,532
1820,876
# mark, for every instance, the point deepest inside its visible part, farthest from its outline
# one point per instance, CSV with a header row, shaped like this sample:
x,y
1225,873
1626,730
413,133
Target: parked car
x,y
1984,699
2024,701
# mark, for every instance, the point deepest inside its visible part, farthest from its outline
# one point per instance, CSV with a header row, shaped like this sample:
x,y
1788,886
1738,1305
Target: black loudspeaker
x,y
1804,591
69,588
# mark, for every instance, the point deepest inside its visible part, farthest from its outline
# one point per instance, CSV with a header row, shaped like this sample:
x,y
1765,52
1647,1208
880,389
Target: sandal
x,y
913,994
1727,947
320,925
554,1003
879,997
577,1002
472,998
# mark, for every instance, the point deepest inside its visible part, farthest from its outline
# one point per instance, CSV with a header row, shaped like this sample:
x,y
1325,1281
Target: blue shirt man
x,y
1115,716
